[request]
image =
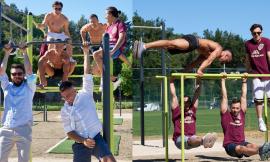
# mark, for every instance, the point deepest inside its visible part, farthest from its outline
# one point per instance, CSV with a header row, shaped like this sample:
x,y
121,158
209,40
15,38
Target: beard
x,y
18,83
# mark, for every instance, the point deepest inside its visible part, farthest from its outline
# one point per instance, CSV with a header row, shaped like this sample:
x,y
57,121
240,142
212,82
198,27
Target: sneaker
x,y
138,48
117,83
262,126
209,140
264,151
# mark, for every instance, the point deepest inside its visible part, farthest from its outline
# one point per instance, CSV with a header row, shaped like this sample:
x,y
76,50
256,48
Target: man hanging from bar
x,y
208,50
233,125
80,118
190,109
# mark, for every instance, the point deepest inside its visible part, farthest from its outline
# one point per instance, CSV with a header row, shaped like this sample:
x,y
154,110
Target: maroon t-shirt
x,y
257,53
190,122
233,128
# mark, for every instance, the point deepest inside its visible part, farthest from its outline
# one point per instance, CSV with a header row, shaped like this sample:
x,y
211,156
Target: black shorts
x,y
230,149
193,44
58,73
94,48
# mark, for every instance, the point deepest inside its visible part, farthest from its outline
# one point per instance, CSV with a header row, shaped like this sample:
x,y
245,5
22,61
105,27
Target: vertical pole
x,y
182,118
30,36
266,117
0,43
107,86
163,66
30,51
120,100
142,99
166,118
1,22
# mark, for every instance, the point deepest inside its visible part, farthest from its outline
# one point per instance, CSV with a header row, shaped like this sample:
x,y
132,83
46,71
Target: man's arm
x,y
195,99
217,49
44,23
88,83
3,68
194,63
247,64
88,142
244,94
224,98
27,64
66,27
174,101
83,32
120,41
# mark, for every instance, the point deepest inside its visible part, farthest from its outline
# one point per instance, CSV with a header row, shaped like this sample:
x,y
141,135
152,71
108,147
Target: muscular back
x,y
56,23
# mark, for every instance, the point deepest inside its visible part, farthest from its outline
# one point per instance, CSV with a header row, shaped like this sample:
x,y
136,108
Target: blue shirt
x,y
18,101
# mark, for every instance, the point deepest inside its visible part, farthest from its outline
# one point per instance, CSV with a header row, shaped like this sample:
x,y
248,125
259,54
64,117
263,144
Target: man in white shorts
x,y
258,52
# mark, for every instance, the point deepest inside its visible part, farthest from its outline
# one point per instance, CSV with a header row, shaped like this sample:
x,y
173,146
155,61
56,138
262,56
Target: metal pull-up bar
x,y
183,76
13,22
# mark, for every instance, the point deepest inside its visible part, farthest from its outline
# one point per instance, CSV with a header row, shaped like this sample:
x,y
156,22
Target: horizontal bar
x,y
14,22
146,27
160,77
232,76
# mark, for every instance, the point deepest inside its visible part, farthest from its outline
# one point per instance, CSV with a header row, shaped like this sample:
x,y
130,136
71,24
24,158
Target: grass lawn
x,y
207,121
66,146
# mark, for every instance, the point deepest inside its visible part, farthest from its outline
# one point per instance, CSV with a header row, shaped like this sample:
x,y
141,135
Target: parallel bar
x,y
231,76
266,116
182,119
13,22
147,27
166,122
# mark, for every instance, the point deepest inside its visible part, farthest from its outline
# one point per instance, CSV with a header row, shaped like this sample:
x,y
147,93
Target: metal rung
x,y
56,89
79,65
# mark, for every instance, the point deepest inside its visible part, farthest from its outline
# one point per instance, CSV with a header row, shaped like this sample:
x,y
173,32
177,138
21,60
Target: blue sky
x,y
74,9
188,16
185,16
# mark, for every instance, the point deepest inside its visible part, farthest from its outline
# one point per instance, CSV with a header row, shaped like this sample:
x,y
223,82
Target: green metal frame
x,y
166,120
183,76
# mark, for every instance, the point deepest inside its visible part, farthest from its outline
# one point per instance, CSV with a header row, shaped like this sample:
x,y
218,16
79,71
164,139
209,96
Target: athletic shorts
x,y
117,53
83,153
58,72
94,48
193,44
178,142
260,87
230,149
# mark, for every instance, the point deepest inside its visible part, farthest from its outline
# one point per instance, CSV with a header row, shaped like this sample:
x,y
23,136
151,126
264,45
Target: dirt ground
x,y
154,151
48,134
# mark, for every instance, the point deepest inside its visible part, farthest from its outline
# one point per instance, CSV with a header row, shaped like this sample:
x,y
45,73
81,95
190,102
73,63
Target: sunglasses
x,y
58,9
18,74
255,33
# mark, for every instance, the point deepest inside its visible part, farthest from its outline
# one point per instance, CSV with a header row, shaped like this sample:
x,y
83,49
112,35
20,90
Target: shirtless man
x,y
208,50
56,22
95,31
55,62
